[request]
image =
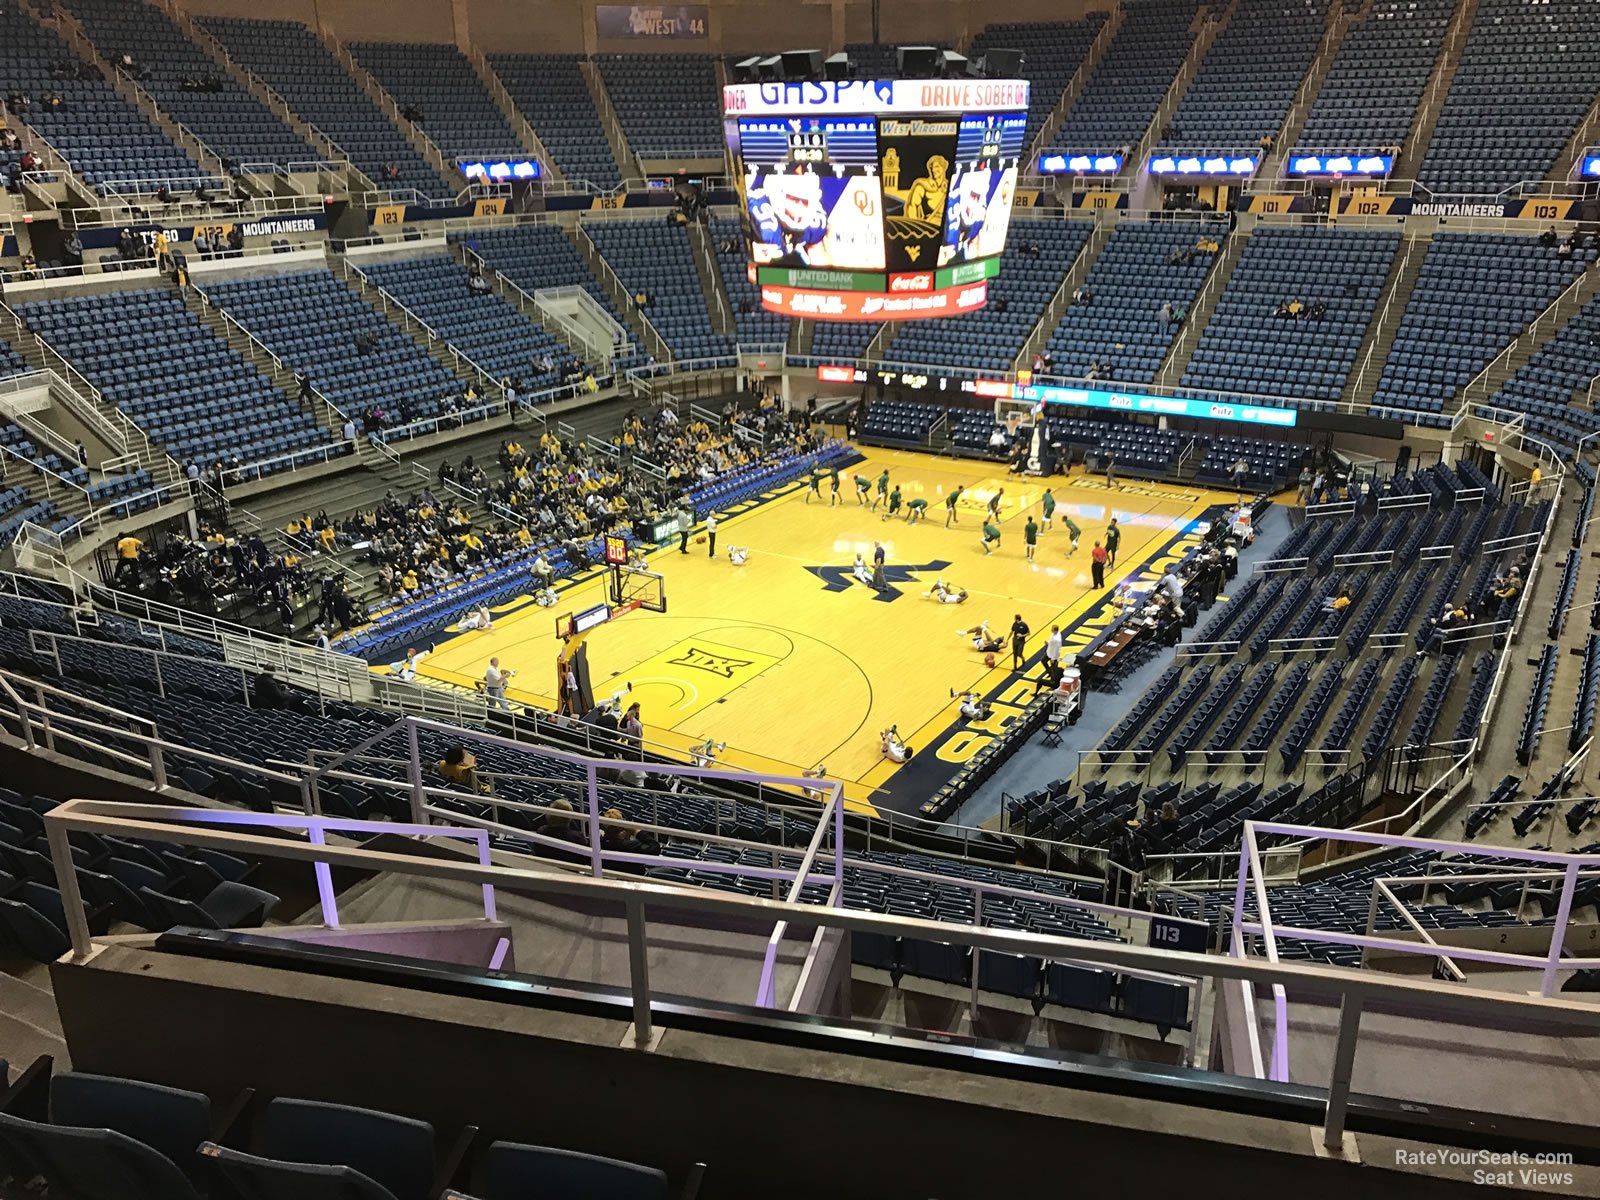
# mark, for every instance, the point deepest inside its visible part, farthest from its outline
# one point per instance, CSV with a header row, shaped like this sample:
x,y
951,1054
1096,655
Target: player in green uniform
x,y
1049,503
883,489
833,479
815,488
894,503
991,537
1073,532
1030,537
916,510
950,506
863,486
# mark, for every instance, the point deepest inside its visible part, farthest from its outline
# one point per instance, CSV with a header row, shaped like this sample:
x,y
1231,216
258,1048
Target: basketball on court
x,y
988,660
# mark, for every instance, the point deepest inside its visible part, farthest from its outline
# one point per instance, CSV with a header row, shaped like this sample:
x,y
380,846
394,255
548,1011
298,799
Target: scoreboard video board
x,y
875,199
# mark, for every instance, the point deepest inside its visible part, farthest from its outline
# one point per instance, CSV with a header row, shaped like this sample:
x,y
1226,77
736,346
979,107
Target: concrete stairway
x,y
1205,303
426,338
878,348
368,83
1539,331
1079,81
242,342
1205,36
29,1023
71,30
1339,24
644,332
802,336
508,108
1039,336
520,300
1391,307
1566,166
1433,97
257,87
72,390
705,266
627,161
1498,756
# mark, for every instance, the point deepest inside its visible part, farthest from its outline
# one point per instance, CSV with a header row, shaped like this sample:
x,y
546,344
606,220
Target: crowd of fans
x,y
218,573
540,497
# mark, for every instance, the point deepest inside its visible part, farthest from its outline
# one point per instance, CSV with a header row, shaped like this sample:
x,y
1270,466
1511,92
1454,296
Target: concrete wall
x,y
773,1120
734,25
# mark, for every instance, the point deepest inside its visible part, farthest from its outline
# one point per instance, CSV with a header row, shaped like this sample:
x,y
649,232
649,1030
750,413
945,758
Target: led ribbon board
x,y
1210,164
1080,164
1340,164
1161,406
502,170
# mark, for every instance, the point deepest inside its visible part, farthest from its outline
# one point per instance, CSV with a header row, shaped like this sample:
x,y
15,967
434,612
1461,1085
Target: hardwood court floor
x,y
790,661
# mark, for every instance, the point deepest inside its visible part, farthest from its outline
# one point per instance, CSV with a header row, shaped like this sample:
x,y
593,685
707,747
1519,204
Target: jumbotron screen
x,y
874,200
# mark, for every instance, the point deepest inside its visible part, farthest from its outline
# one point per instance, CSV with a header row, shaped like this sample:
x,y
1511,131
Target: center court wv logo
x,y
704,660
842,579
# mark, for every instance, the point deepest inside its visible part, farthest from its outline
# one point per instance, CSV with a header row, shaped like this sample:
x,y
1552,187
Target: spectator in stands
x,y
412,113
1162,833
1317,310
561,822
627,839
128,550
1265,142
1240,471
1303,496
1548,238
1337,603
267,693
460,767
1164,313
391,173
1506,587
477,284
1127,851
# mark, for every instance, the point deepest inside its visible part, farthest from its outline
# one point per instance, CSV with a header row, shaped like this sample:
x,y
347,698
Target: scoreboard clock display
x,y
875,199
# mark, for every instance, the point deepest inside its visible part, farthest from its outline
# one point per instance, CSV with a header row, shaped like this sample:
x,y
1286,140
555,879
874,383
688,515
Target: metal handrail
x,y
225,832
388,299
210,42
627,296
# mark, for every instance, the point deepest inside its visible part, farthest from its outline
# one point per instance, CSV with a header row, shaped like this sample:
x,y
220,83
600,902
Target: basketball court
x,y
793,663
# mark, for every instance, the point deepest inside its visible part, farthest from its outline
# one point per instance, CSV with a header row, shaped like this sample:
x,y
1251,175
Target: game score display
x,y
876,199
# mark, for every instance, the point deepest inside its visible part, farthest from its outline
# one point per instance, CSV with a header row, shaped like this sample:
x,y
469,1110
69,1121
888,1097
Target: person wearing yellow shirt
x,y
329,536
1536,477
292,528
408,582
128,548
524,537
